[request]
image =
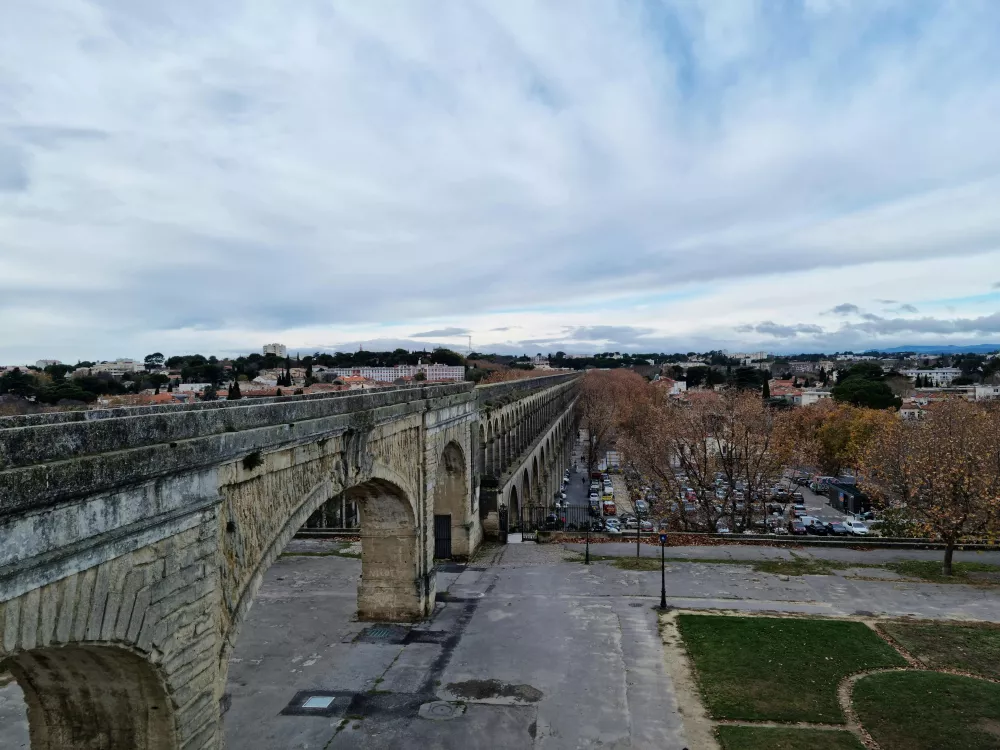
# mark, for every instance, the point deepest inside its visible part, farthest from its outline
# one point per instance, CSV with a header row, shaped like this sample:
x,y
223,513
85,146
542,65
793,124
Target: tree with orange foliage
x,y
832,436
686,447
942,471
610,400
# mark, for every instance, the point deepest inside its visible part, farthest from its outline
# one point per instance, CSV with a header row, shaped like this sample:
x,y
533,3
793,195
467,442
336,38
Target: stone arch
x,y
481,462
86,697
513,507
450,492
526,487
534,474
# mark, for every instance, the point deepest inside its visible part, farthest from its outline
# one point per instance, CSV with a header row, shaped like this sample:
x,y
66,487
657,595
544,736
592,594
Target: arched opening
x,y
534,476
93,698
304,591
481,464
451,535
514,509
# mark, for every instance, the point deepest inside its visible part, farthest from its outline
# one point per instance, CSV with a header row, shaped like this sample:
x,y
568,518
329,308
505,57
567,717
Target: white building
x,y
391,374
43,363
939,376
748,358
986,392
192,387
279,349
115,369
811,397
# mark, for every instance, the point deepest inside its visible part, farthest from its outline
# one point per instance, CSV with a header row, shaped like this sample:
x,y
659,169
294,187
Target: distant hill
x,y
945,349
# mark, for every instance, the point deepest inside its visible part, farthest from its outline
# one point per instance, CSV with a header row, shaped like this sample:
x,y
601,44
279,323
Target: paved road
x,y
819,506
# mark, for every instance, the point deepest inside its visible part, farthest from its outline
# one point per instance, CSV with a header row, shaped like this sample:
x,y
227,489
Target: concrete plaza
x,y
527,648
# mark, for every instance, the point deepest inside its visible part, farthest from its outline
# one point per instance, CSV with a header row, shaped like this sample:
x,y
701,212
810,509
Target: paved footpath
x,y
528,648
851,591
740,552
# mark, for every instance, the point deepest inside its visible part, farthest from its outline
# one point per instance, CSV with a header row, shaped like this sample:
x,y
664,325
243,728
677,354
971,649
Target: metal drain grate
x,y
383,633
636,604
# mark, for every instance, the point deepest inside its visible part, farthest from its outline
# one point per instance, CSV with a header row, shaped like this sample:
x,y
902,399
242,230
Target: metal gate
x,y
442,537
502,524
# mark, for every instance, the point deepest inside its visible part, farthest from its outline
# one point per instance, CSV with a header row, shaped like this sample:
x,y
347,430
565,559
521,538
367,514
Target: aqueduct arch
x,y
120,696
452,498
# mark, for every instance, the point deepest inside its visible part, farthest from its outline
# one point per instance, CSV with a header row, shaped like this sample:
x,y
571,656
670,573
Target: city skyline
x,y
619,176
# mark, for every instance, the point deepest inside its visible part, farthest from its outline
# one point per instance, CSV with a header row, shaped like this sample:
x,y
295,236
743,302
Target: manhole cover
x,y
441,710
636,604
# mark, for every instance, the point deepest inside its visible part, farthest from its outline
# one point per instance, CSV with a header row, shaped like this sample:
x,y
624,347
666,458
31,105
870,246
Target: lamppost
x,y
586,557
663,572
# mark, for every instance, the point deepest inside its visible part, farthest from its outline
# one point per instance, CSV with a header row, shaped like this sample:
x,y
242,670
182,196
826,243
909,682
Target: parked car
x,y
797,528
837,529
722,528
799,506
856,527
646,525
817,528
641,508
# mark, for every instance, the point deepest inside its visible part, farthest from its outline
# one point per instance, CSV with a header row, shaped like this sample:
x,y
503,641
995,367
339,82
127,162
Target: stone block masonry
x,y
133,541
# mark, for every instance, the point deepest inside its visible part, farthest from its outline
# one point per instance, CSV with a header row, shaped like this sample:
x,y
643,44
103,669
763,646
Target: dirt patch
x,y
482,690
990,726
698,728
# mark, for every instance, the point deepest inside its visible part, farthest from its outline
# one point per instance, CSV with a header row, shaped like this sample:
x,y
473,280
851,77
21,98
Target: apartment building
x,y
391,374
939,376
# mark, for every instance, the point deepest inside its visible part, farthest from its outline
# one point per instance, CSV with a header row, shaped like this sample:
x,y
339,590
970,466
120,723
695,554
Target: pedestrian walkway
x,y
743,552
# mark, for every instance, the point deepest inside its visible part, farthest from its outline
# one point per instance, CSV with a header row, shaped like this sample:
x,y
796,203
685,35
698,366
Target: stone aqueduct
x,y
133,541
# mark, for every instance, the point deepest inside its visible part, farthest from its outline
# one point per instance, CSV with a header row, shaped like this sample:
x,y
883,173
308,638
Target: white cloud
x,y
217,174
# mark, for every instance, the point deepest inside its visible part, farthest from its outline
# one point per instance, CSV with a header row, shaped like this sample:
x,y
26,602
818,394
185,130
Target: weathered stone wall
x,y
160,602
134,540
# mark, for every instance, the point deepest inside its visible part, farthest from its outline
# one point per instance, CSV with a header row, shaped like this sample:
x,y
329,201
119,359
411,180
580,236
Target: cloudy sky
x,y
206,175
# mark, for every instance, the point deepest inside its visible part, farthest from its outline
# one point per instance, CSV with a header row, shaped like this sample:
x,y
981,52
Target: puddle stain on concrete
x,y
480,690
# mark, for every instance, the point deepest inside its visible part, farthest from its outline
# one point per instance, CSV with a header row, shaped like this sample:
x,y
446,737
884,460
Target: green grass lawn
x,y
968,647
929,711
778,669
766,738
